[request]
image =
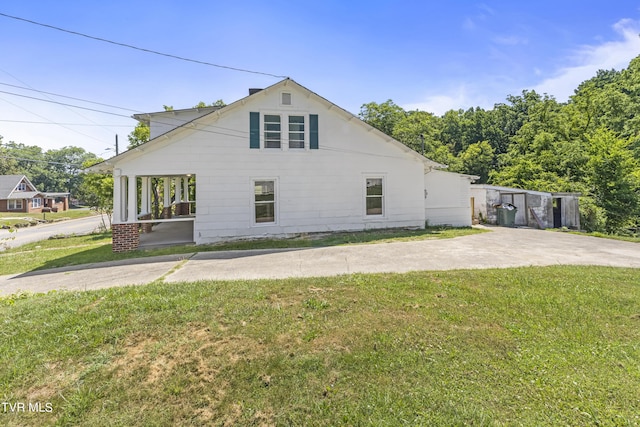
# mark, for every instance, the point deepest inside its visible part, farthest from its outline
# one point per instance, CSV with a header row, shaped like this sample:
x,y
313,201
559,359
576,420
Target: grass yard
x,y
528,346
97,247
12,218
630,238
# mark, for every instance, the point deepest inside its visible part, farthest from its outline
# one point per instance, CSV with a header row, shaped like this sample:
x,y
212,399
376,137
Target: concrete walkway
x,y
502,247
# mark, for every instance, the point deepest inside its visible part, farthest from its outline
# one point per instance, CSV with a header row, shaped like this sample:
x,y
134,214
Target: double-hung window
x,y
37,202
272,131
296,131
15,204
264,201
22,186
375,197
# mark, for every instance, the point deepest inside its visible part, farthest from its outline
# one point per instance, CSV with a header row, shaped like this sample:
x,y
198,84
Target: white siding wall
x,y
163,122
317,190
448,200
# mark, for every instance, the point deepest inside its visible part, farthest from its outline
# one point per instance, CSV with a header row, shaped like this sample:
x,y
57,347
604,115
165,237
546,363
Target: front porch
x,y
167,234
152,211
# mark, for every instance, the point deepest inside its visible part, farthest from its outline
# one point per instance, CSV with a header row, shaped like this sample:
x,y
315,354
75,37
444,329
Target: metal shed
x,y
537,209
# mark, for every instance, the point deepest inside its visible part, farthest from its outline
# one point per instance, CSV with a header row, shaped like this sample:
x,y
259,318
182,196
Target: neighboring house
x,y
18,194
278,162
538,209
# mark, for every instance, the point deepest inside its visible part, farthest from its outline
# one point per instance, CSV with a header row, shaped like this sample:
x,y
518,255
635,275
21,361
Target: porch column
x,y
145,204
117,197
144,195
186,210
185,181
179,196
166,212
125,228
132,199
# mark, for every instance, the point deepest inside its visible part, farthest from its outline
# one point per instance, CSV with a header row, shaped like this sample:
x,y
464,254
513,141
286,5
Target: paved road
x,y
502,247
44,231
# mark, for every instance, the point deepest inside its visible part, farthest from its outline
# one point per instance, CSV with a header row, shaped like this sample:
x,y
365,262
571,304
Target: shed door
x,y
521,204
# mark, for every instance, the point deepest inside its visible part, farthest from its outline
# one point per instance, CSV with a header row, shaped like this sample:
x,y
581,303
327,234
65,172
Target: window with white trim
x,y
296,131
272,131
15,204
375,197
37,202
264,201
22,186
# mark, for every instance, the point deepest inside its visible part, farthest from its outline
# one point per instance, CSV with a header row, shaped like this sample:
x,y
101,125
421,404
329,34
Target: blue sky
x,y
426,55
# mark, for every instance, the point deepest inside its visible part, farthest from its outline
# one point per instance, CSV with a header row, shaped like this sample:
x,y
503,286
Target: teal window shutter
x,y
254,130
313,131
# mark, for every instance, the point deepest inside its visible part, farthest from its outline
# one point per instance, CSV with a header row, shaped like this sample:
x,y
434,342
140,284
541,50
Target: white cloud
x,y
439,104
589,59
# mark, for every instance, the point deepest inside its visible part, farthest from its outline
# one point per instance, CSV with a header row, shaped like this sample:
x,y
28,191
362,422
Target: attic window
x,y
22,186
286,98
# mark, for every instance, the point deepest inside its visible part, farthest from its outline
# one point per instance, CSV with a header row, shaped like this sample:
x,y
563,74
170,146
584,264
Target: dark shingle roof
x,y
8,183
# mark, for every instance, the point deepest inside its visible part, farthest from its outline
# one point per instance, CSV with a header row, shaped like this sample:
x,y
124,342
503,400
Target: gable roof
x,y
146,117
8,184
108,164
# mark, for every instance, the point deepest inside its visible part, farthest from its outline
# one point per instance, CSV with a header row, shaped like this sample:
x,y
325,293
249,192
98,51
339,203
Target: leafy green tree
x,y
63,168
218,103
613,179
383,116
28,160
97,191
8,165
416,126
478,159
139,135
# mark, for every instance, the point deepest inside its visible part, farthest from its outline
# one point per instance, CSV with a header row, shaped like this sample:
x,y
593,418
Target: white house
x,y
281,161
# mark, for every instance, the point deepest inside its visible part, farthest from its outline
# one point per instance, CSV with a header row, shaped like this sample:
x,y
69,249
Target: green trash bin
x,y
507,215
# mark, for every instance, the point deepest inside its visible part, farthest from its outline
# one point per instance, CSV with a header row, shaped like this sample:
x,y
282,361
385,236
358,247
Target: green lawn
x,y
13,218
529,346
97,247
633,239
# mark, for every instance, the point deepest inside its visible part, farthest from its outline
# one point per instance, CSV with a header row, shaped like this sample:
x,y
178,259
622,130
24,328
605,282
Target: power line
x,y
142,49
174,125
40,161
42,117
65,104
68,97
62,124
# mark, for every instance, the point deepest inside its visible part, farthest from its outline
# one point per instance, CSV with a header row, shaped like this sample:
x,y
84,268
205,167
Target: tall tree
x,y
613,178
478,159
383,116
139,135
97,191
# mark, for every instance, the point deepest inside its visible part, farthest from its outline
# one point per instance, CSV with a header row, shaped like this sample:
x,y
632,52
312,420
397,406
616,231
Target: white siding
x,y
317,190
448,200
163,122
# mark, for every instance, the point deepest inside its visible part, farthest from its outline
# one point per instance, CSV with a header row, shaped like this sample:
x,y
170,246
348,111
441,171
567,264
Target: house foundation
x,y
125,237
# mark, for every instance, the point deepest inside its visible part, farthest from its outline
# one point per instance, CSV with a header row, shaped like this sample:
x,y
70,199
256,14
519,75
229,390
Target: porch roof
x,y
17,195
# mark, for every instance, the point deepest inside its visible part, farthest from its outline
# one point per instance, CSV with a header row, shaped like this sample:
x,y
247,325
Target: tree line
x,y
57,170
589,144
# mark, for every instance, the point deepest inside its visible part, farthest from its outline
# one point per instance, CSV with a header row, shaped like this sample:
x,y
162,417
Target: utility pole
x,y
116,144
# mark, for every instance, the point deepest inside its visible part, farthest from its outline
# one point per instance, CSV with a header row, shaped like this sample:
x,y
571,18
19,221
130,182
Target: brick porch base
x,y
125,237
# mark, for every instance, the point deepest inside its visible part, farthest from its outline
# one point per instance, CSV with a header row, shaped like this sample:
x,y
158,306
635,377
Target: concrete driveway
x,y
502,247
